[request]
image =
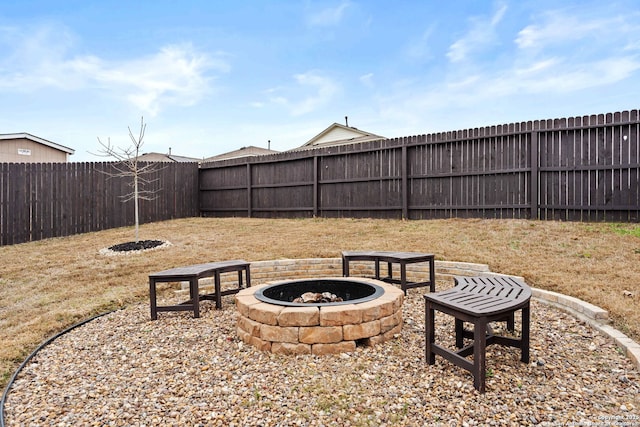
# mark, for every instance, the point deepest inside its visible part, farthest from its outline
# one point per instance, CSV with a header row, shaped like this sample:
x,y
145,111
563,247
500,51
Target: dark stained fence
x,y
578,169
42,200
583,168
590,168
479,173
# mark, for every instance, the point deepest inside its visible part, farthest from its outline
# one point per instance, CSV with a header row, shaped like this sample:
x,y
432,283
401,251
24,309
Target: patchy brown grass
x,y
48,285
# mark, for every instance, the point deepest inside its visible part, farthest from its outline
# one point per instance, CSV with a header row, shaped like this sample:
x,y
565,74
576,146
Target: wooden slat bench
x,y
402,258
192,274
478,300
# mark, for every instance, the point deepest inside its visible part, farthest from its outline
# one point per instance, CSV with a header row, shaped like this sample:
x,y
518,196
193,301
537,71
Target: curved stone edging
x,y
595,316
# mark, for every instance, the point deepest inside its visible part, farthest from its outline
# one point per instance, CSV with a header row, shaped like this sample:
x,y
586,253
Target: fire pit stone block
x,y
340,347
338,315
279,333
290,348
320,334
265,313
361,330
299,316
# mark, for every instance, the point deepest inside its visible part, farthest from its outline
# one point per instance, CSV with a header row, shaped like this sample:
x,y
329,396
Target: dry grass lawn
x,y
49,285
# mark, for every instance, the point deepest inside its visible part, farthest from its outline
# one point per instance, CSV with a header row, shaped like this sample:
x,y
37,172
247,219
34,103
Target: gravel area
x,y
123,369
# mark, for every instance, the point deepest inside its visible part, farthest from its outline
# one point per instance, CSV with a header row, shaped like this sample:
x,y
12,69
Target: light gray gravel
x,y
125,370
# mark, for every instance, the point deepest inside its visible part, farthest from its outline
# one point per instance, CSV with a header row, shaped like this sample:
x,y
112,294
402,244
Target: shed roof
x,y
24,135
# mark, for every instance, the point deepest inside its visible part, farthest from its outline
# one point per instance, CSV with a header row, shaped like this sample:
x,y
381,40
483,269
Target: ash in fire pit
x,y
315,297
305,292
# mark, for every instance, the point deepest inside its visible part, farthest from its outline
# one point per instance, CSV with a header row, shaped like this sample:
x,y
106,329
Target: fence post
x,y
249,196
315,185
405,186
533,187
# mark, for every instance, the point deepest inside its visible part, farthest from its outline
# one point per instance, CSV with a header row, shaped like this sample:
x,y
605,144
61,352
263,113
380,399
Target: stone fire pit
x,y
320,328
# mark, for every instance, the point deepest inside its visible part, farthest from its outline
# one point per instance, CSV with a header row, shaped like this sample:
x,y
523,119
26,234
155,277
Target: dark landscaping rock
x,y
136,246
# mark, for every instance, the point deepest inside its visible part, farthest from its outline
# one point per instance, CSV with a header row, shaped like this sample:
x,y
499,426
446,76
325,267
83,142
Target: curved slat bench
x,y
192,274
478,300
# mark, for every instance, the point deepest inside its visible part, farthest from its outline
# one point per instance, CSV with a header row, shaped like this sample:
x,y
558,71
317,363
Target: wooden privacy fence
x,y
42,200
583,168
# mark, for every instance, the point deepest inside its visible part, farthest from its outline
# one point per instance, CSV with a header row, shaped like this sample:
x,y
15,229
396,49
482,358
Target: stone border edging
x,y
263,271
594,316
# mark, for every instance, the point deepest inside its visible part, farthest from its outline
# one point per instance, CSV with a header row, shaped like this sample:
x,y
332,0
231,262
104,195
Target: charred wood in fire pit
x,y
316,297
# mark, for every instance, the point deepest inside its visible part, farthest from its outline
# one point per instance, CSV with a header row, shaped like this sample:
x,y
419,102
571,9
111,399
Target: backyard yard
x,y
49,285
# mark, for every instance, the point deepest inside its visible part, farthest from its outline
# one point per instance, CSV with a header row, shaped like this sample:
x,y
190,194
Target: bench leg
x,y
430,335
511,324
524,357
432,275
152,298
459,333
403,276
247,273
195,297
239,279
479,354
217,286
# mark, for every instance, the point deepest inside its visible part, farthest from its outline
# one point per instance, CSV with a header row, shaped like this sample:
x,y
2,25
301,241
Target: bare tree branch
x,y
128,166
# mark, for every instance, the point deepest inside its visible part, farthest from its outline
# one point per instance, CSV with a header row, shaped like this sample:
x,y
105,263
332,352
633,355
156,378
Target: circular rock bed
x,y
124,369
319,329
140,246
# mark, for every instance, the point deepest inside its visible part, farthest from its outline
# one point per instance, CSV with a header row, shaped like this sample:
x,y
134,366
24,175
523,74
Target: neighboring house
x,y
26,148
160,157
249,151
338,134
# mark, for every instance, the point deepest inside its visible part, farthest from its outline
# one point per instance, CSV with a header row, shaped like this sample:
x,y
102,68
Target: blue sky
x,y
213,76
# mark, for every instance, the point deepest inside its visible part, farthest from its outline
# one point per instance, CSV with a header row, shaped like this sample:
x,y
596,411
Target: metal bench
x,y
402,258
478,300
192,274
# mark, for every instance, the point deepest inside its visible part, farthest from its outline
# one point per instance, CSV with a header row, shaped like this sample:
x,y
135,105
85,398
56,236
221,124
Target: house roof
x,y
337,134
161,157
24,135
242,152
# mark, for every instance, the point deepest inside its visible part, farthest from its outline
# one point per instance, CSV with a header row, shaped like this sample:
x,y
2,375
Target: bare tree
x,y
127,165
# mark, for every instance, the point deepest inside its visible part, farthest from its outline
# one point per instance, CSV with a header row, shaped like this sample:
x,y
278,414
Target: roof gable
x,y
337,134
161,157
24,135
241,152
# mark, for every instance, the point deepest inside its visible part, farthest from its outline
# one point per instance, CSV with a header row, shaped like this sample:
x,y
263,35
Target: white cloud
x,y
420,47
536,67
329,16
567,78
367,79
517,93
558,27
311,91
481,34
175,75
